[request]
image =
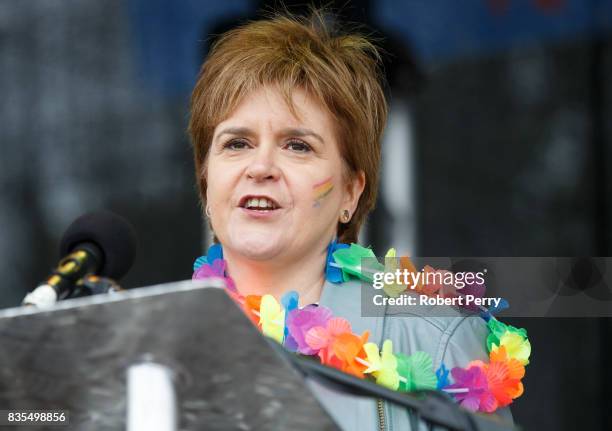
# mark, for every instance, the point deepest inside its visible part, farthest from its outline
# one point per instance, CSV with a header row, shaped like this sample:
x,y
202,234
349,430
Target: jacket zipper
x,y
382,423
381,414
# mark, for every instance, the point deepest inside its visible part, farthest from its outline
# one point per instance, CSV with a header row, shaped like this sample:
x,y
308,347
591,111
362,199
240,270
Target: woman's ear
x,y
354,189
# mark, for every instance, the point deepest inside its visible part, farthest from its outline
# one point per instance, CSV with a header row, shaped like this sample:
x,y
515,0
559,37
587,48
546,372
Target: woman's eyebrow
x,y
285,132
302,132
235,131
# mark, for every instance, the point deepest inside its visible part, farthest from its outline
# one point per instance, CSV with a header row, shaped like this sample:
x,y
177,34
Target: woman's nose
x,y
263,164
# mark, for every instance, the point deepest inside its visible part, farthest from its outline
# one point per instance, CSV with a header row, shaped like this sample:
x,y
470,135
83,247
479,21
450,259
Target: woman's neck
x,y
305,275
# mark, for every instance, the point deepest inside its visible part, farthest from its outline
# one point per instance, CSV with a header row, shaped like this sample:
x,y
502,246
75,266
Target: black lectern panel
x,y
75,356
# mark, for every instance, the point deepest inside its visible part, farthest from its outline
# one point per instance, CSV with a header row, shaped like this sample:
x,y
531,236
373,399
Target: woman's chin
x,y
257,245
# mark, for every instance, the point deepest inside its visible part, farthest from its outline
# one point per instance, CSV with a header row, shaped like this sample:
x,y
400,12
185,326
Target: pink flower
x,y
299,322
216,270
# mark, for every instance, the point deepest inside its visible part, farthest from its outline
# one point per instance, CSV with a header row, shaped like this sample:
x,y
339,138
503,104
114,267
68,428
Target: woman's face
x,y
276,188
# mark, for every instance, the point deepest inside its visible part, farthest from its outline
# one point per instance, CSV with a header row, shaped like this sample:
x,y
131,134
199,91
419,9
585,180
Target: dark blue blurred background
x,y
499,144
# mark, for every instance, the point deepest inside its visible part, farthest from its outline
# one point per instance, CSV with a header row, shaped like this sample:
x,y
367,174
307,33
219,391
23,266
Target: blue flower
x,y
486,315
332,273
289,302
199,262
215,252
442,375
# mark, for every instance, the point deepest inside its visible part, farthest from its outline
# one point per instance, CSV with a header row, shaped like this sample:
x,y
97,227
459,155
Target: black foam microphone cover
x,y
113,234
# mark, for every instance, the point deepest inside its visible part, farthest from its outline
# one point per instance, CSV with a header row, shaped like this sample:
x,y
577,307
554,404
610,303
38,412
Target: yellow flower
x,y
272,318
391,265
382,366
517,346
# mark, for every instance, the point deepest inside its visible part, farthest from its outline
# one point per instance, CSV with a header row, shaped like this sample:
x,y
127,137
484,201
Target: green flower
x,y
416,372
350,259
513,339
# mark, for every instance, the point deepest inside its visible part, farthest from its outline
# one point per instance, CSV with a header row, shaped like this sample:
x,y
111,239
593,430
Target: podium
x,y
187,340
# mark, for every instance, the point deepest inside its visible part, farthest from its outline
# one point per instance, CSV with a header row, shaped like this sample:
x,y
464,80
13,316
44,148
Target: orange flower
x,y
347,347
504,375
251,306
406,263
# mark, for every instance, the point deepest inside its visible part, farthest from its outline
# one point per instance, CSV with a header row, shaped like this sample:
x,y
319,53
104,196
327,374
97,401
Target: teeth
x,y
259,203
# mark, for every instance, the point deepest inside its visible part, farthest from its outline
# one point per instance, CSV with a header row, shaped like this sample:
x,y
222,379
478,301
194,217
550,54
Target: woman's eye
x,y
299,146
236,145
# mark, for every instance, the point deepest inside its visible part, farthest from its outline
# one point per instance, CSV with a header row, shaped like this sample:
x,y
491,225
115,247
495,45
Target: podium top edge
x,y
139,292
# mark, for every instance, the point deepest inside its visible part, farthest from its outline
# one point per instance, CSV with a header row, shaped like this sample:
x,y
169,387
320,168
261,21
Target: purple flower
x,y
299,323
475,289
216,270
478,396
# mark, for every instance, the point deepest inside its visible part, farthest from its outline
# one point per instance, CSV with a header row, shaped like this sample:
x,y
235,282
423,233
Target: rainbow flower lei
x,y
314,331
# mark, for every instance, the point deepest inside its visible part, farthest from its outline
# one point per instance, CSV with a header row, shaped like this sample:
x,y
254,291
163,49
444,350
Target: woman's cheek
x,y
321,190
220,184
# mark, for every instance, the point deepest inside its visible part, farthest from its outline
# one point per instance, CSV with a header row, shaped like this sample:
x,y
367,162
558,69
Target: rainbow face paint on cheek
x,y
321,189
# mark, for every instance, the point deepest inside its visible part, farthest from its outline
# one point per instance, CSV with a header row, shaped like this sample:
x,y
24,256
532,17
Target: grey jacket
x,y
455,339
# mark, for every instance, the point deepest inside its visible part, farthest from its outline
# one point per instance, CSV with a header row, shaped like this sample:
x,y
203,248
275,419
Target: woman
x,y
286,124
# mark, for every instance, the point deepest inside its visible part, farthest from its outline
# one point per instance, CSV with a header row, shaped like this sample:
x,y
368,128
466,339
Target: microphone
x,y
95,244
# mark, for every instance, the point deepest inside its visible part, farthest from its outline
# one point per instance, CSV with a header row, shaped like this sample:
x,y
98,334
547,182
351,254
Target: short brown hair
x,y
340,70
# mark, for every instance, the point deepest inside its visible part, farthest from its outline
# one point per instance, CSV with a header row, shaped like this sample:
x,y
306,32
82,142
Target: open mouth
x,y
258,203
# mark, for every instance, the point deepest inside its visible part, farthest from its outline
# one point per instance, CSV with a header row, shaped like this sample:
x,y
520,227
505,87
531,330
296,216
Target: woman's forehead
x,y
266,107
